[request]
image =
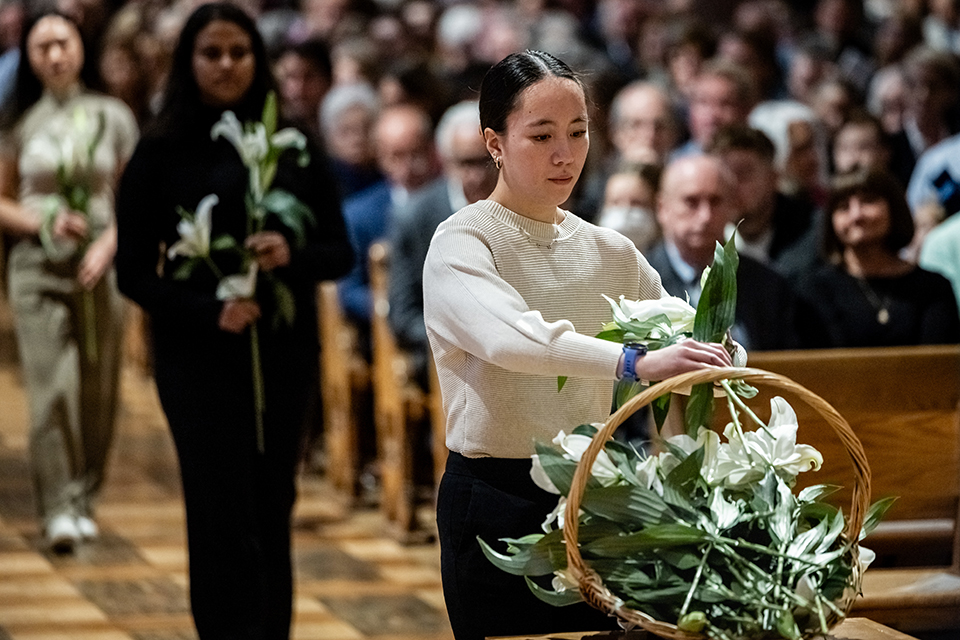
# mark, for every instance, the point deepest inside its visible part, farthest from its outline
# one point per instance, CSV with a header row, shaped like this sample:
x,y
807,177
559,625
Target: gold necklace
x,y
879,305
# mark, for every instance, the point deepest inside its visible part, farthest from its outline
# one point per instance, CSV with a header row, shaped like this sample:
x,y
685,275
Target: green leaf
x,y
875,514
626,505
561,380
660,408
680,486
555,598
185,270
699,411
650,538
624,390
533,560
270,113
291,211
224,242
612,335
816,492
787,626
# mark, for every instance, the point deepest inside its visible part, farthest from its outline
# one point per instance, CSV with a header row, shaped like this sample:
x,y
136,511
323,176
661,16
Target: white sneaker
x,y
87,527
62,533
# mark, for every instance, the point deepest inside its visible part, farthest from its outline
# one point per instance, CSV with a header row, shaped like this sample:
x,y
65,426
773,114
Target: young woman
x,y
70,352
238,498
512,296
869,296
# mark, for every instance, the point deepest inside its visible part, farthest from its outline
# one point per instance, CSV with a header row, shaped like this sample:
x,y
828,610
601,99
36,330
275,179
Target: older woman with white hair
x,y
347,115
801,151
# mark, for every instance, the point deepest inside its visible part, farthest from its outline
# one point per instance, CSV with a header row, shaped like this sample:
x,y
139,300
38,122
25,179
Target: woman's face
x,y
862,220
55,53
545,144
223,63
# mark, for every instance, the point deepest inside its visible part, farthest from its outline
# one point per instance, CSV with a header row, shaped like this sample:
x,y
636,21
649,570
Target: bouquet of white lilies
x,y
260,146
706,537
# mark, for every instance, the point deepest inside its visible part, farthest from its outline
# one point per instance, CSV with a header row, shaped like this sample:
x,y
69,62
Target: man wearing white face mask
x,y
629,202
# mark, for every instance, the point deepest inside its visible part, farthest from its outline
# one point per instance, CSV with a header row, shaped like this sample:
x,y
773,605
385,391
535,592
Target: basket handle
x,y
861,490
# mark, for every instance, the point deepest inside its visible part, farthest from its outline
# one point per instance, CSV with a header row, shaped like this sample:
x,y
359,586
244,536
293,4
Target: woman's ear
x,y
492,140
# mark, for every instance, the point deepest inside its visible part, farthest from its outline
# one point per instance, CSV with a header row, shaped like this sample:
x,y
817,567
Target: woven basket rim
x,y
591,586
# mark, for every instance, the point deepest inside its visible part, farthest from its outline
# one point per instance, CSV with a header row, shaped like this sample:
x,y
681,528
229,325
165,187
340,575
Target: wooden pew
x,y
399,406
903,405
344,384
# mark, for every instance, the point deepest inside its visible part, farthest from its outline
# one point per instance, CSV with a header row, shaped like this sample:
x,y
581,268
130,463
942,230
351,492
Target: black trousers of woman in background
x,y
495,498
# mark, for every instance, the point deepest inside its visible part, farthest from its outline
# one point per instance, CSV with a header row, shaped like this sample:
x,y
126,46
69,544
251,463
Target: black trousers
x,y
495,498
238,501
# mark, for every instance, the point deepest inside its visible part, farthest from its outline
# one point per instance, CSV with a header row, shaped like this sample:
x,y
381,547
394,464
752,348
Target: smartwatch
x,y
632,351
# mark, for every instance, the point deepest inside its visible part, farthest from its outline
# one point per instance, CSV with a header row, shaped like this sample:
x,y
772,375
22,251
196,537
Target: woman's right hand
x,y
682,357
69,225
238,314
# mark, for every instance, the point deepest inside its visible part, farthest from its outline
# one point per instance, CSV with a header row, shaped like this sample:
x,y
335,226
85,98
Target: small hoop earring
x,y
498,162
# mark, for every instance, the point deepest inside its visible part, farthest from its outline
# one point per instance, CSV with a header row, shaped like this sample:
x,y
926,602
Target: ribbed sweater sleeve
x,y
510,304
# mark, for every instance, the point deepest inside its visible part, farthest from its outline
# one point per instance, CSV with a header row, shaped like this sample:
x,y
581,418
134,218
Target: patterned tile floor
x,y
131,583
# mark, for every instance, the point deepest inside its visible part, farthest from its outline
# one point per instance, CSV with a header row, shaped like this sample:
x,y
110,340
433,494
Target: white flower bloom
x,y
677,310
288,138
563,580
745,460
557,515
241,285
725,513
195,234
540,477
647,474
574,447
706,439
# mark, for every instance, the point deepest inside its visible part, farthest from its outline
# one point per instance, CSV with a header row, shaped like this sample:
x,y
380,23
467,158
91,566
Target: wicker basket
x,y
591,586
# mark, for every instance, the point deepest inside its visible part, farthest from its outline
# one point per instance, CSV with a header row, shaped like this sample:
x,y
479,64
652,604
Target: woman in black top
x,y
868,295
238,498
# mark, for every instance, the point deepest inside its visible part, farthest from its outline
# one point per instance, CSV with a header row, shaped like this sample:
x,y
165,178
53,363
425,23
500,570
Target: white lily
x,y
706,439
563,580
557,515
540,477
575,445
677,310
648,475
195,234
241,285
746,456
724,512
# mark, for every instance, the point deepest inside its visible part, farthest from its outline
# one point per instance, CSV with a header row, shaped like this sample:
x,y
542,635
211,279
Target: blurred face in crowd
x,y
714,104
694,207
803,163
755,190
470,164
858,145
405,150
628,191
929,95
645,130
543,148
302,86
862,221
350,139
55,53
223,63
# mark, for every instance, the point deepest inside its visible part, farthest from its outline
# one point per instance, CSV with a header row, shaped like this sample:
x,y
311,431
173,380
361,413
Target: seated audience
x,y
867,294
941,252
773,228
303,72
468,175
403,136
722,95
347,114
861,143
693,207
629,203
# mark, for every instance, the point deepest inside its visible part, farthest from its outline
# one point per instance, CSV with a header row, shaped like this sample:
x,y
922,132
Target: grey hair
x,y
463,114
774,119
342,98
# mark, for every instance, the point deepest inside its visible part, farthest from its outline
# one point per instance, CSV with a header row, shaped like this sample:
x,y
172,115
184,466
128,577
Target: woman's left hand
x,y
96,260
270,249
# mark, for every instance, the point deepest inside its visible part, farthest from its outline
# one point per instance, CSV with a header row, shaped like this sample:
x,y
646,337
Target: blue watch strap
x,y
631,353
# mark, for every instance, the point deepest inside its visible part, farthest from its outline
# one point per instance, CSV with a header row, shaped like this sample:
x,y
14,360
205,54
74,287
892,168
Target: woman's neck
x,y
63,93
873,261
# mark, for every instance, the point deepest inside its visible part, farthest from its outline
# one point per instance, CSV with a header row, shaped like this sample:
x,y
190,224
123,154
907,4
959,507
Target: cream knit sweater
x,y
510,304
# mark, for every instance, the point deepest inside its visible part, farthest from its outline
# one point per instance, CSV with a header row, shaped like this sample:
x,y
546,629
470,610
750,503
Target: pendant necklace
x,y
879,305
541,242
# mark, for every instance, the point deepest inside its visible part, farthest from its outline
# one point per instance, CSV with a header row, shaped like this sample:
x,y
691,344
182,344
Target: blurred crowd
x,y
788,93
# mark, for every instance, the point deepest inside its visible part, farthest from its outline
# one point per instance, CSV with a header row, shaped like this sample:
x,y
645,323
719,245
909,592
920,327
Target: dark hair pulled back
x,y
181,106
27,87
506,80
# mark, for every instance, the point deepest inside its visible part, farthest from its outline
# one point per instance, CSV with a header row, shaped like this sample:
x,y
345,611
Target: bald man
x,y
693,207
